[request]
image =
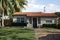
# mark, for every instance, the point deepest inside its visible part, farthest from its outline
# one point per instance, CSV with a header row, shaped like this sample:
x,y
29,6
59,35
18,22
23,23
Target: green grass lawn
x,y
16,33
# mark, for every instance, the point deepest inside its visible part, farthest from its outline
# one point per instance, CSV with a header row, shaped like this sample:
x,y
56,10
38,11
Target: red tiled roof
x,y
36,14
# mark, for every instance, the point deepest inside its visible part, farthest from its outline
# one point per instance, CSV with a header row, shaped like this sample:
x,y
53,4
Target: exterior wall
x,y
43,20
28,24
15,18
38,25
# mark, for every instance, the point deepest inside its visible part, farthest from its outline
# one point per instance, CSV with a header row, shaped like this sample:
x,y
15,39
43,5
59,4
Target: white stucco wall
x,y
43,20
38,25
29,25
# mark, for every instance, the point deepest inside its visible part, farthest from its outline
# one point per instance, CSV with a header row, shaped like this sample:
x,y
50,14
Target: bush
x,y
50,25
58,26
19,24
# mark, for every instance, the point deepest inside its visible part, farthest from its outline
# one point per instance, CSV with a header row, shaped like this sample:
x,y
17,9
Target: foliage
x,y
16,33
11,6
8,7
57,13
50,25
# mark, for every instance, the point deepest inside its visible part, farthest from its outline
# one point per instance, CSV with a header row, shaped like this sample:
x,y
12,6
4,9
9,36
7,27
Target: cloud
x,y
52,8
33,7
36,6
32,1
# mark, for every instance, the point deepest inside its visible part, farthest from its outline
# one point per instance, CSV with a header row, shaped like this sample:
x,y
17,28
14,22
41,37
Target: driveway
x,y
41,34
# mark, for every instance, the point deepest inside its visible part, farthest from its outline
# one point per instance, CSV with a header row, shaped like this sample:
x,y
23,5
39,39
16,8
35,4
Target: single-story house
x,y
35,19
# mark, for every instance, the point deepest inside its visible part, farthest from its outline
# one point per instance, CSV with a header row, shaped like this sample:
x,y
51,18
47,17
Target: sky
x,y
38,6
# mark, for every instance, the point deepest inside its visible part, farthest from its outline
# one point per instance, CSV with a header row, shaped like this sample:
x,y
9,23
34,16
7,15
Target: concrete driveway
x,y
41,34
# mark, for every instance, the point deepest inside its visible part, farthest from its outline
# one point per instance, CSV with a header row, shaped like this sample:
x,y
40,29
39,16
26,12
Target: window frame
x,y
48,21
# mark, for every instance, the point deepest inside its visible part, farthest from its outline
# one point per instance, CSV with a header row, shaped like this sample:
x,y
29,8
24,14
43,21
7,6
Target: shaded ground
x,y
47,34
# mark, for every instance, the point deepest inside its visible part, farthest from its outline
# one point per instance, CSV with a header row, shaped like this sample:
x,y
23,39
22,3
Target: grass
x,y
16,33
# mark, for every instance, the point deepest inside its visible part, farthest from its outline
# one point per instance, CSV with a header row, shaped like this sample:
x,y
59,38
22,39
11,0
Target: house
x,y
34,19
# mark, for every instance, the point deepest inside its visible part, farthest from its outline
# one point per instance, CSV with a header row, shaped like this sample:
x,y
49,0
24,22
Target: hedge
x,y
19,24
50,25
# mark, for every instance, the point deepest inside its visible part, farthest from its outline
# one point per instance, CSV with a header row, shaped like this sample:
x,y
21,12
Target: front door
x,y
35,22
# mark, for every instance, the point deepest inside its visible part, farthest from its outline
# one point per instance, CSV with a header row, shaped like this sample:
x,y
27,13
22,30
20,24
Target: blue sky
x,y
38,6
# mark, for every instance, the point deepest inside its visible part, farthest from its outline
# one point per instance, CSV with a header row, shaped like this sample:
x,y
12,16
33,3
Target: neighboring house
x,y
34,19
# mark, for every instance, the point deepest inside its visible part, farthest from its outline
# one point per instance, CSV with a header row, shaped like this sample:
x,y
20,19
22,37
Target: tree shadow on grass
x,y
50,37
15,37
23,39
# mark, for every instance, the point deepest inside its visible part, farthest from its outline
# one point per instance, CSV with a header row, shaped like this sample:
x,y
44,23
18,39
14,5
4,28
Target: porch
x,y
33,22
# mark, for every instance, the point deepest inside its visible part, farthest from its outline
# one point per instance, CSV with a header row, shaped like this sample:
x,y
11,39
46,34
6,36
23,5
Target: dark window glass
x,y
49,21
18,20
22,20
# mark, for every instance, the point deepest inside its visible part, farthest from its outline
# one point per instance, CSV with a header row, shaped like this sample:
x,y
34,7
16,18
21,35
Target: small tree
x,y
57,13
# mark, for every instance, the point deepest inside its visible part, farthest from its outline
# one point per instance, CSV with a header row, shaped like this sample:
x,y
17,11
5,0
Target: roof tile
x,y
36,14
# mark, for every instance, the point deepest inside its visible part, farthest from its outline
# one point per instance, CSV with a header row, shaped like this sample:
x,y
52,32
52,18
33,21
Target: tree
x,y
57,13
10,6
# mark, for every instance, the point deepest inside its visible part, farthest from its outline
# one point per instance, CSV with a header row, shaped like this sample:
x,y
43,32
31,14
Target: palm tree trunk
x,y
2,14
3,19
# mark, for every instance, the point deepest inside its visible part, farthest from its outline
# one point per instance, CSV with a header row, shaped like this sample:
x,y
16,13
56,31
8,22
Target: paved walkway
x,y
41,34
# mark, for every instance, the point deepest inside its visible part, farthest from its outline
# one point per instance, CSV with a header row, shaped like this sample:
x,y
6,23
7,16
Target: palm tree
x,y
10,6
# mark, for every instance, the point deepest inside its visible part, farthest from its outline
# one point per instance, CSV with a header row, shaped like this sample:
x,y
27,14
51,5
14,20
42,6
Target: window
x,y
30,20
18,20
22,20
39,21
48,21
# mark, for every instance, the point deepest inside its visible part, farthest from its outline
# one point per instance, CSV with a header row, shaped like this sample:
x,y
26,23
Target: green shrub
x,y
50,25
3,38
58,26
